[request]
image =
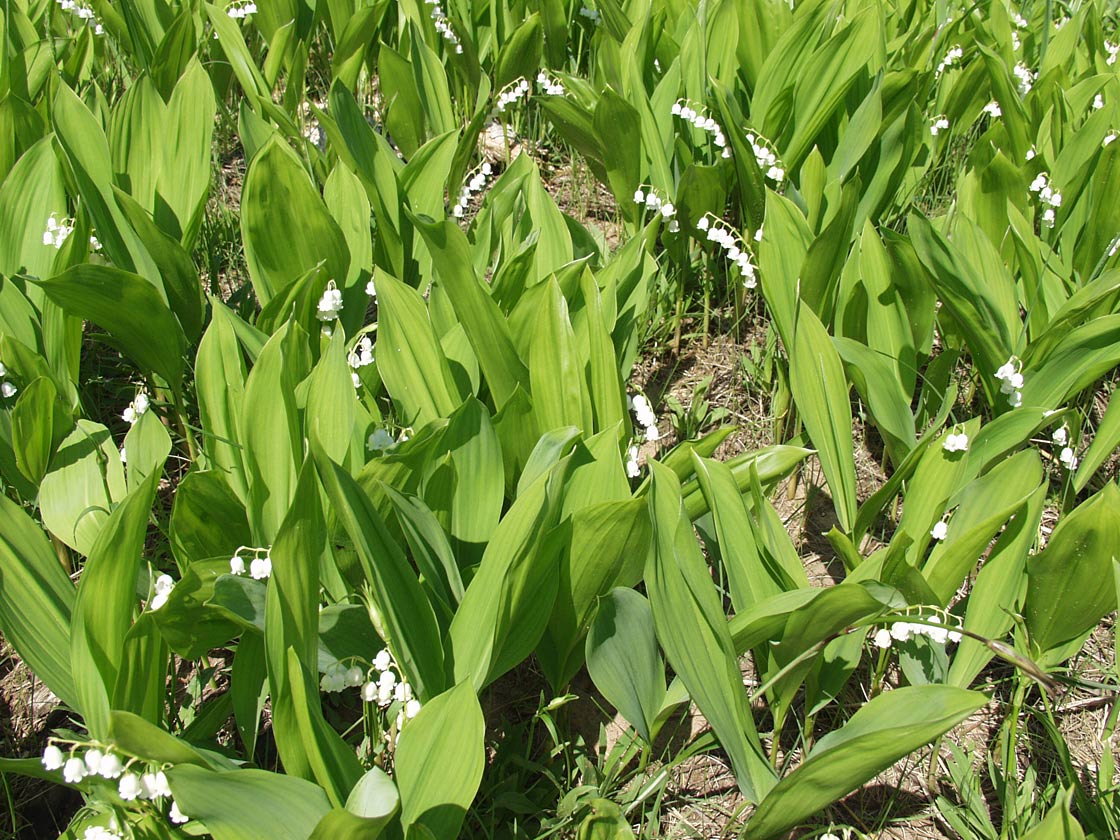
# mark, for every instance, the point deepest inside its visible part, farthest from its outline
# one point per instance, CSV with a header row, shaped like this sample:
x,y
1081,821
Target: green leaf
x,y
555,373
147,446
881,732
137,736
520,56
480,316
1105,442
32,190
608,548
83,141
506,607
617,123
85,482
36,601
623,661
208,521
285,225
105,603
130,309
36,418
248,804
220,385
271,429
409,356
439,761
820,390
1065,597
695,637
413,633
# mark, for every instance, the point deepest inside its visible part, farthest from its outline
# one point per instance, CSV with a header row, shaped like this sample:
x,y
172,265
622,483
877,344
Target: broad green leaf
x,y
208,522
146,446
555,373
31,192
248,804
439,762
130,309
220,387
87,151
285,225
36,601
37,421
180,277
881,732
622,658
520,56
820,390
481,318
409,357
105,603
748,578
85,482
413,633
1105,442
133,734
1065,597
506,607
695,637
271,429
616,124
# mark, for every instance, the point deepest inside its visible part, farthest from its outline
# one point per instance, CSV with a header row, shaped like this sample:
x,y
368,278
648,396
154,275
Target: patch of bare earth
x,y
28,711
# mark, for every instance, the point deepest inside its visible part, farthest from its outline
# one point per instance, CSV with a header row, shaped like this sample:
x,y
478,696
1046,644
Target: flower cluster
x,y
1060,437
359,357
955,54
549,85
57,231
696,115
260,562
633,469
475,184
1050,198
591,14
443,26
330,304
901,631
955,442
1010,376
1113,50
735,249
338,677
138,407
993,110
643,413
163,586
82,12
1026,78
7,389
647,196
766,158
150,784
241,9
938,124
390,687
517,89
380,440
1098,102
